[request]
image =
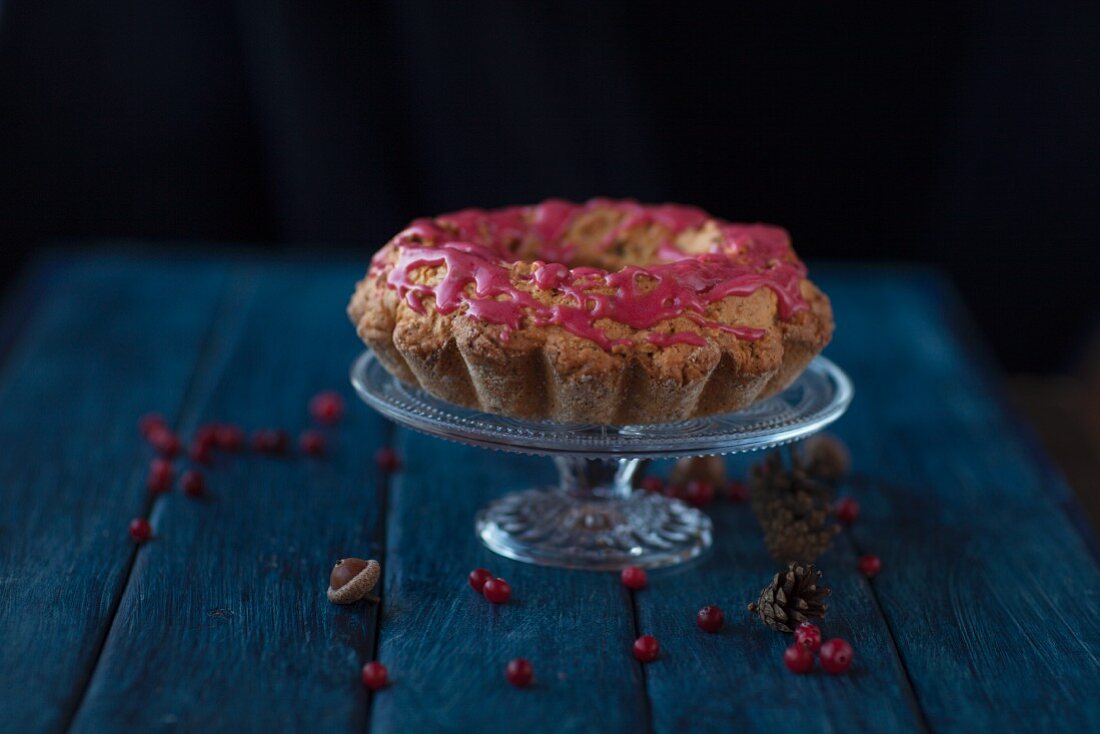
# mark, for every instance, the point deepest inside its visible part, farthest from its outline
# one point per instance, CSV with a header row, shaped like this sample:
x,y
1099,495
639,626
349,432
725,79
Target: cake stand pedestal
x,y
594,519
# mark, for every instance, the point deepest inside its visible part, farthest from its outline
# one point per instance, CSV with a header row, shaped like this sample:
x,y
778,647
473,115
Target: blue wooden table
x,y
985,616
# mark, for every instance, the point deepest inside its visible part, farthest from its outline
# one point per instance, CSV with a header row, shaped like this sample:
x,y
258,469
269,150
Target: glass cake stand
x,y
594,519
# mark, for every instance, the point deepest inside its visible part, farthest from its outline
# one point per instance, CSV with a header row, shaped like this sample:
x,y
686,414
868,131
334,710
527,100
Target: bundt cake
x,y
606,312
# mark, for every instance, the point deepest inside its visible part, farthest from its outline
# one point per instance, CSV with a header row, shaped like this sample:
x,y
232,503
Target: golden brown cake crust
x,y
606,312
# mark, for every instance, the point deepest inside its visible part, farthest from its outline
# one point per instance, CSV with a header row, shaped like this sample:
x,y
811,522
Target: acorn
x,y
352,579
709,469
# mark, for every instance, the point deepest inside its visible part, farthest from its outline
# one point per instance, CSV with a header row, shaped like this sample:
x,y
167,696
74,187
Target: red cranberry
x,y
387,460
870,565
646,648
519,672
673,491
737,491
375,675
798,659
497,591
312,442
327,407
159,480
193,484
634,577
808,636
281,443
698,493
199,453
478,577
229,438
847,510
206,437
263,441
836,656
164,441
140,529
654,485
267,441
150,422
710,618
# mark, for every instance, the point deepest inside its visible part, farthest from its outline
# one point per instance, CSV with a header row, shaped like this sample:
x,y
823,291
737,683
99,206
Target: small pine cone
x,y
826,457
792,509
798,530
792,597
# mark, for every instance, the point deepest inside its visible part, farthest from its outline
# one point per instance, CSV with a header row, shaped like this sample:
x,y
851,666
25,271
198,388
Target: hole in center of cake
x,y
611,239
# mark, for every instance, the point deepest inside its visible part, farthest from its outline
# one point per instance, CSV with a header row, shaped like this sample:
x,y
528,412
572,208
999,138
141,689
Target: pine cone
x,y
827,457
792,597
792,509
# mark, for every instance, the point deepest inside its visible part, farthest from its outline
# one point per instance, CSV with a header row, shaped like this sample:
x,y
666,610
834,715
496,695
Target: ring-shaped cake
x,y
607,312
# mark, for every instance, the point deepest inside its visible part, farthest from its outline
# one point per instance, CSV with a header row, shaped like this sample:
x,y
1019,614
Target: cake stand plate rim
x,y
787,417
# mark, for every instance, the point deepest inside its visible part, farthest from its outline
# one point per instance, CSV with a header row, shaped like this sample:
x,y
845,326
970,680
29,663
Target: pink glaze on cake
x,y
477,248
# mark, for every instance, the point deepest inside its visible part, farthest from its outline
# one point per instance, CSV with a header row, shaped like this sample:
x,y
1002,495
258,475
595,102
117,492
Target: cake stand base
x,y
594,520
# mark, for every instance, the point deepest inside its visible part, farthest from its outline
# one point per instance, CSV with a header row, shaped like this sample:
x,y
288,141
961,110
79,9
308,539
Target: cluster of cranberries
x,y
496,590
696,492
326,409
835,654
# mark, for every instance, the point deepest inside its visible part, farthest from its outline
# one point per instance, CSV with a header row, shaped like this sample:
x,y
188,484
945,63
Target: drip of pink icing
x,y
680,337
475,246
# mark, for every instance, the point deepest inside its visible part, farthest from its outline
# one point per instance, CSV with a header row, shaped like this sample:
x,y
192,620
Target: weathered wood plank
x,y
447,647
108,341
224,624
990,592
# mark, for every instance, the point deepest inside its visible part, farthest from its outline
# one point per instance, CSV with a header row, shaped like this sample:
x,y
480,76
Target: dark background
x,y
961,134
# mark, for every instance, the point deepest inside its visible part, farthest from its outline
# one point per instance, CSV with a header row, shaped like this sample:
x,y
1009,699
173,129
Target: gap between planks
x,y
385,485
641,666
860,481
